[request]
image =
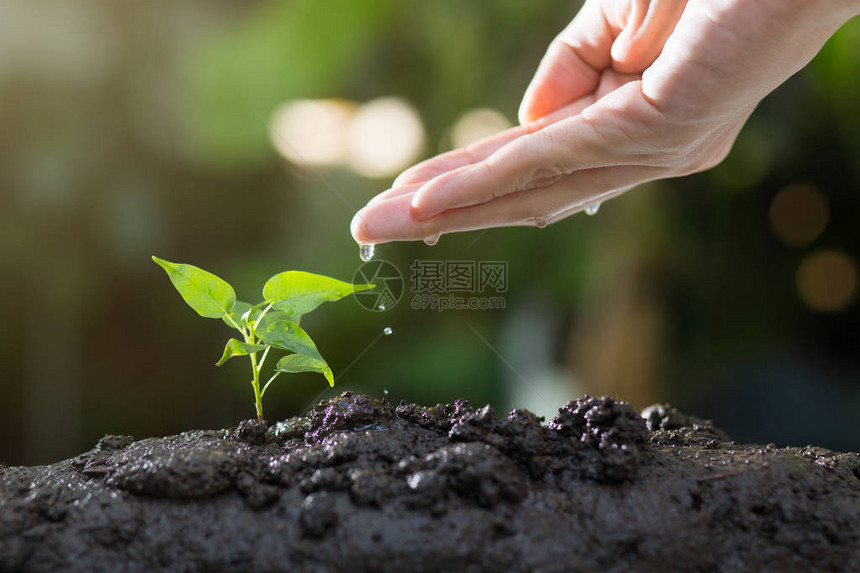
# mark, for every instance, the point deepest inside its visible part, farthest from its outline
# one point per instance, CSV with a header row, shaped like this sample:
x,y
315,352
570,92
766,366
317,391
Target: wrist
x,y
843,10
847,9
815,16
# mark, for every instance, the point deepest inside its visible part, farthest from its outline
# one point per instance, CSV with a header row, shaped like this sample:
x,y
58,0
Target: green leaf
x,y
210,296
270,317
303,363
277,316
298,292
236,313
238,348
289,336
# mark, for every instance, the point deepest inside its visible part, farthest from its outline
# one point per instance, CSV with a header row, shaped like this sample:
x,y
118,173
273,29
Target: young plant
x,y
273,323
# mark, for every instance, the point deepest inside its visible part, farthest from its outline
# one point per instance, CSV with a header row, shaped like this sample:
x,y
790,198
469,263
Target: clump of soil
x,y
361,485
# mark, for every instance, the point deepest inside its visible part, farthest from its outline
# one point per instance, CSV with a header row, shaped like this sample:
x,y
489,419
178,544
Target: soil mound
x,y
361,485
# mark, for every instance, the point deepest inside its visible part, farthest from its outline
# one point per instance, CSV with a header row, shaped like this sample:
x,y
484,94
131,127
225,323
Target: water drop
x,y
541,222
592,209
387,330
365,252
432,239
381,307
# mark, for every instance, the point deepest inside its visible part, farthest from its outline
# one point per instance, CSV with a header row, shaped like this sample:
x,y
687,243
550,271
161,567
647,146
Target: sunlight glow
x,y
385,137
477,124
312,131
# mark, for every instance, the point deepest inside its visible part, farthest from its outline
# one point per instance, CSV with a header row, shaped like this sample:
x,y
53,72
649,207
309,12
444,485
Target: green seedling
x,y
273,323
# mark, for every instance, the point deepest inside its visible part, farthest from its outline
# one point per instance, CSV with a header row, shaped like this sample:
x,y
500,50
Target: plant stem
x,y
250,338
259,318
263,358
255,382
236,326
272,379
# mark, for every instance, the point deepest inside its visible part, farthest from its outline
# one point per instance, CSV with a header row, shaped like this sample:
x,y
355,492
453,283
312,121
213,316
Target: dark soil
x,y
361,485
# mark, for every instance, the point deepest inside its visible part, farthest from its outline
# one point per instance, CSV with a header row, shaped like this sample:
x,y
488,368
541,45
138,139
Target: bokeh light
x,y
798,214
312,131
384,138
477,124
827,281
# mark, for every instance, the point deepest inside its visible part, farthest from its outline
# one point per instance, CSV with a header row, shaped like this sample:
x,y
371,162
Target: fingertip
x,y
538,103
418,206
360,230
523,113
441,193
401,179
355,227
418,173
407,180
389,220
393,192
429,200
529,106
622,54
425,214
619,50
421,173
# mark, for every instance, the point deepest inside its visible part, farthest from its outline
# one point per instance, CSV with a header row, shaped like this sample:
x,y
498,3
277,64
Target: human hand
x,y
631,91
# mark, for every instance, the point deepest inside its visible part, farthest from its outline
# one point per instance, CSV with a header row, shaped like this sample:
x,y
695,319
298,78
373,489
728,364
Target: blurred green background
x,y
133,129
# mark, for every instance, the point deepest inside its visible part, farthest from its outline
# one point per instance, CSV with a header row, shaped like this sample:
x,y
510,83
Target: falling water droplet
x,y
387,330
592,209
365,252
432,240
381,307
541,222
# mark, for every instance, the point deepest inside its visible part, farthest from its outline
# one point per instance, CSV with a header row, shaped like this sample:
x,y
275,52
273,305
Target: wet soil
x,y
361,485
